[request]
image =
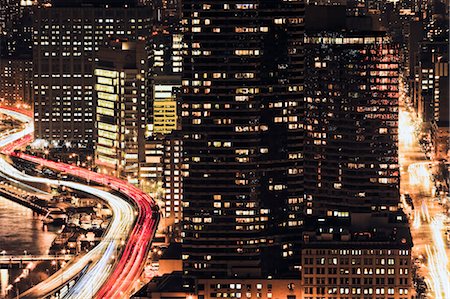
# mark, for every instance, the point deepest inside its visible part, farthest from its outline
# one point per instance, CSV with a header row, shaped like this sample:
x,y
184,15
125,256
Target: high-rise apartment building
x,y
9,10
282,171
164,145
164,109
16,75
351,142
68,35
440,126
428,72
166,60
242,106
413,36
429,79
120,92
16,28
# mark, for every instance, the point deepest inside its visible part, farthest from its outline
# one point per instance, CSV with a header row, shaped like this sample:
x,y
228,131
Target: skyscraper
x,y
9,10
121,75
293,173
68,36
166,60
242,125
164,145
16,79
351,143
16,28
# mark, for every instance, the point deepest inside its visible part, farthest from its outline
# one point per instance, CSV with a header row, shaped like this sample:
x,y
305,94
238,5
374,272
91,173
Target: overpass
x,y
21,261
111,268
34,258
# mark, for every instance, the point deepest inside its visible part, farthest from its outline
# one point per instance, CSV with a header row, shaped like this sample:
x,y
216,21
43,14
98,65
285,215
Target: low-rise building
x,y
175,286
170,260
368,258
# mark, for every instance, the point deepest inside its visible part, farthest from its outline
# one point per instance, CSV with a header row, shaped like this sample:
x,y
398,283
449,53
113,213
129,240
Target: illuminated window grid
x,y
107,88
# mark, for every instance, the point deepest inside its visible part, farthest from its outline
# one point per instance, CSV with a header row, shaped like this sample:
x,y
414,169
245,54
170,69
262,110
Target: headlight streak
x,y
120,226
438,261
405,129
120,280
417,221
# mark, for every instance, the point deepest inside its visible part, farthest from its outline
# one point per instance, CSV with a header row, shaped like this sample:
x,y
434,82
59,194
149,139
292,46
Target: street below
x,y
428,217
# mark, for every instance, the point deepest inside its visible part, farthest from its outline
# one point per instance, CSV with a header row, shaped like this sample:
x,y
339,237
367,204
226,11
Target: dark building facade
x,y
16,79
429,78
9,11
351,143
68,36
16,28
242,107
290,149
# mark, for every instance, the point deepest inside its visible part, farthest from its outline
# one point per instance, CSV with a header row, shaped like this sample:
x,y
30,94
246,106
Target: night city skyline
x,y
189,149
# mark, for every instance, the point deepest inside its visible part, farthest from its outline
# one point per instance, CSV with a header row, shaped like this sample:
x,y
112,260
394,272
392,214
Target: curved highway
x,y
105,277
102,256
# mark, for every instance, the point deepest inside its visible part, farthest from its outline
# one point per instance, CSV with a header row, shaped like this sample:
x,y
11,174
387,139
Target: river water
x,y
20,231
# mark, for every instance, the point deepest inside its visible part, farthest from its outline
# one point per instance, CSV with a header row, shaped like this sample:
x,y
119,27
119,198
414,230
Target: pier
x,y
26,203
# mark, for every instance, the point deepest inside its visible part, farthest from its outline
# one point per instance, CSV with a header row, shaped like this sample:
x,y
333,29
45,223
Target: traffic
x,y
111,269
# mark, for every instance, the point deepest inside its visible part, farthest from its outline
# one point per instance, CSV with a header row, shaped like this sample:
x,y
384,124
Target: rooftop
x,y
364,230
